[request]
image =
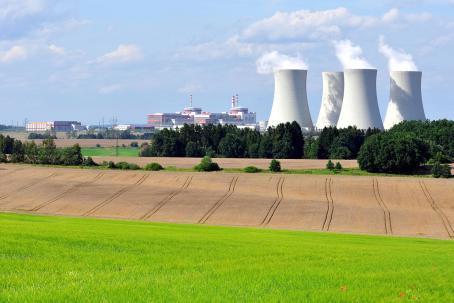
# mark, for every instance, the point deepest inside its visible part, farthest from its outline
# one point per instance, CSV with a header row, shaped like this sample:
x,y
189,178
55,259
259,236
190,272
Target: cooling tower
x,y
333,94
405,100
360,104
290,99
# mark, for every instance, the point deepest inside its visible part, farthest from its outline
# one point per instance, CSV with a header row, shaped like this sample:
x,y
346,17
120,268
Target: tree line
x,y
16,151
284,141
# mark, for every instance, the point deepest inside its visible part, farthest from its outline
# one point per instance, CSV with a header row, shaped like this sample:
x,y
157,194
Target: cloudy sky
x,y
88,60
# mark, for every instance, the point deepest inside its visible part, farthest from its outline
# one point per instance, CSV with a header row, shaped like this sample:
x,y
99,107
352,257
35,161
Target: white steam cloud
x,y
272,61
350,55
398,60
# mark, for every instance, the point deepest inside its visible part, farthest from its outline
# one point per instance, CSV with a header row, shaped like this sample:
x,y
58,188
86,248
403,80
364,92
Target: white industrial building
x,y
57,126
405,98
290,99
360,103
333,94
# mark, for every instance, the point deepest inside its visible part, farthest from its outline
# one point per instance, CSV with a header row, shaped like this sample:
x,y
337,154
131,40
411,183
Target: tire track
x,y
167,199
221,201
68,191
31,184
276,203
330,207
382,204
116,195
11,172
447,225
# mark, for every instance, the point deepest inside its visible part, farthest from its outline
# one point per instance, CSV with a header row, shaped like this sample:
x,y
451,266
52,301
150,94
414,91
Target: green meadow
x,y
110,152
57,259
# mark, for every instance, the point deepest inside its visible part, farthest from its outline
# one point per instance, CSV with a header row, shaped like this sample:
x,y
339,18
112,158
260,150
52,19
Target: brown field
x,y
228,162
370,205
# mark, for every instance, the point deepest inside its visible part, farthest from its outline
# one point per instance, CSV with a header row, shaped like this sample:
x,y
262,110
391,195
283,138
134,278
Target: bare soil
x,y
371,205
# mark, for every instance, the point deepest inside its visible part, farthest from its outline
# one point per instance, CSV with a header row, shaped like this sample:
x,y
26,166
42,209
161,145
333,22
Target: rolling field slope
x,y
365,205
58,259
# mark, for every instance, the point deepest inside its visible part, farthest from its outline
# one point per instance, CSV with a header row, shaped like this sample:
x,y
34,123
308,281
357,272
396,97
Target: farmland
x,y
110,152
90,260
359,204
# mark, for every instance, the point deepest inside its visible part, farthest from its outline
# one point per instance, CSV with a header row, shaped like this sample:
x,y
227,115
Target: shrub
x,y
251,169
153,166
275,166
338,166
392,153
134,144
207,165
89,162
2,158
127,166
441,170
98,145
330,165
111,165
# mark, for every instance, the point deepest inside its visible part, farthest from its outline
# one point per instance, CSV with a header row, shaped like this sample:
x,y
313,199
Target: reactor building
x,y
405,98
360,103
333,94
290,99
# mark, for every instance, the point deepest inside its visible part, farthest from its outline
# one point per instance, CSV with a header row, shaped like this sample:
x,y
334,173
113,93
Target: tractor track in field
x,y
31,184
330,205
280,196
383,206
116,195
221,201
167,199
11,172
444,219
68,191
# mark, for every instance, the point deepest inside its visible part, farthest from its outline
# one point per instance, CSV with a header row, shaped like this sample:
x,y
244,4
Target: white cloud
x,y
272,61
398,60
125,53
350,55
15,53
16,9
56,50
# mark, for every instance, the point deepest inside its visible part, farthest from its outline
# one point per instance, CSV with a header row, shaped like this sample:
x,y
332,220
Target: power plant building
x,y
290,99
405,101
360,103
56,126
333,94
237,115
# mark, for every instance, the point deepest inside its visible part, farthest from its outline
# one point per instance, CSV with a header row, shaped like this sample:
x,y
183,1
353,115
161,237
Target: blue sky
x,y
88,60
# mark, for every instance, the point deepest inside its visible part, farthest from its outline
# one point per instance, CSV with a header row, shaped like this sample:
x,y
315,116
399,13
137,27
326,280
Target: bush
x,y
127,166
338,166
111,165
441,170
134,144
89,162
275,166
98,145
153,166
207,165
392,153
330,165
251,169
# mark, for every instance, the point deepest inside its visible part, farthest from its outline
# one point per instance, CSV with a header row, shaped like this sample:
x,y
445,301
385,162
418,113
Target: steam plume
x,y
272,61
350,55
398,60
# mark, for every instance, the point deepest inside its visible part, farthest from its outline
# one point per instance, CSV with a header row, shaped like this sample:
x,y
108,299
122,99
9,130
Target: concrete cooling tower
x,y
360,104
290,99
405,102
333,94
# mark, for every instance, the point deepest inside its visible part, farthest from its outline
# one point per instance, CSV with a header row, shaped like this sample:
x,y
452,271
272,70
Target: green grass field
x,y
110,152
56,259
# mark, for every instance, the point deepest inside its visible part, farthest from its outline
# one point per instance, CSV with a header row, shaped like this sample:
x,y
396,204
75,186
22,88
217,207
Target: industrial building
x,y
405,98
333,95
54,126
290,99
360,103
237,115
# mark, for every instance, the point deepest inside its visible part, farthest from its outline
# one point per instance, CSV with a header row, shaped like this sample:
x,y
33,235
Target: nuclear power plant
x,y
290,99
360,105
405,98
333,94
